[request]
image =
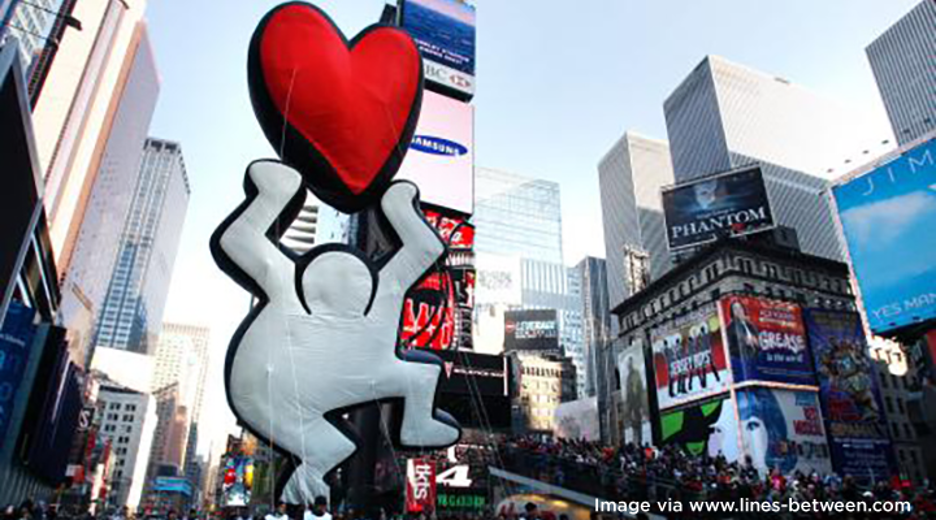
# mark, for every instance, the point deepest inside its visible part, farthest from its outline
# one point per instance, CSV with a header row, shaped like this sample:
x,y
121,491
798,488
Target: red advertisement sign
x,y
420,486
455,231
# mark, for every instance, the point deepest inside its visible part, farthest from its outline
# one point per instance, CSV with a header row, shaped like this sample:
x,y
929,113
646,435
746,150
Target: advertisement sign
x,y
420,486
16,339
441,157
455,231
635,406
689,359
783,429
887,216
444,31
238,480
709,426
578,420
475,388
766,340
531,330
848,391
498,279
726,205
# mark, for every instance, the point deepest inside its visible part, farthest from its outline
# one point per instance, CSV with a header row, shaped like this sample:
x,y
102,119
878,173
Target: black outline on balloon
x,y
331,188
274,234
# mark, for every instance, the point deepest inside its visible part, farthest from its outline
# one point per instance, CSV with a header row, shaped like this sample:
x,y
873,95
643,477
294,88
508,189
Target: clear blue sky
x,y
558,83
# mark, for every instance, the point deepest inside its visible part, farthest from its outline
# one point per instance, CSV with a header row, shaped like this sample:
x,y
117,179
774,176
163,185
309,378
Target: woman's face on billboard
x,y
756,440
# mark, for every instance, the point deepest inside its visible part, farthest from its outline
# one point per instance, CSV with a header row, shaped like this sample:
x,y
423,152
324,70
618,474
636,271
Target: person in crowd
x,y
318,510
279,513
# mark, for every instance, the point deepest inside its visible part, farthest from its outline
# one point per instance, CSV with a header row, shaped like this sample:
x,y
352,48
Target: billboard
x,y
705,210
783,429
16,342
455,231
531,330
420,486
444,31
437,313
635,405
688,358
887,216
441,157
709,426
578,420
475,388
849,394
766,341
238,480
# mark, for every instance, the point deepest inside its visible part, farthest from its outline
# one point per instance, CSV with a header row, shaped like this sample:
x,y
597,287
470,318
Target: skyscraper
x,y
630,177
596,317
724,116
77,108
902,61
136,297
94,252
128,418
317,223
30,23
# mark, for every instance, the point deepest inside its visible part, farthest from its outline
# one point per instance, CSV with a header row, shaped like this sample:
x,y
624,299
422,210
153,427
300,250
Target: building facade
x,y
725,116
543,383
31,23
902,61
94,255
136,296
128,419
596,318
630,177
317,223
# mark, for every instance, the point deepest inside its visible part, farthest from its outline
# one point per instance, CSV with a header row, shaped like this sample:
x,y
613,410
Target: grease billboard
x,y
733,203
783,429
849,394
887,217
689,359
766,341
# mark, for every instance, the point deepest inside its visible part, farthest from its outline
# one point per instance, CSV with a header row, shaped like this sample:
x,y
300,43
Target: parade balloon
x,y
323,337
341,112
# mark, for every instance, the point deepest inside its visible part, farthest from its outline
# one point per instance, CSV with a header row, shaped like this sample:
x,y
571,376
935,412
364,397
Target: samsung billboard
x,y
730,204
444,31
441,157
887,217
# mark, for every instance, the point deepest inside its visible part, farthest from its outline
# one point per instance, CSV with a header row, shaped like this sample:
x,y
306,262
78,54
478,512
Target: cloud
x,y
878,224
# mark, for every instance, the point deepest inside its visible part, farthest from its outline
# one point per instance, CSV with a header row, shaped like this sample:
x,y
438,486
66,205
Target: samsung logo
x,y
437,146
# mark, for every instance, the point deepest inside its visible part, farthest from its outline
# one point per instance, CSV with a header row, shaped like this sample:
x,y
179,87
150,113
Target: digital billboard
x,y
437,313
444,31
848,391
766,341
634,399
457,233
783,429
725,205
16,343
440,159
707,427
688,358
238,480
531,330
887,218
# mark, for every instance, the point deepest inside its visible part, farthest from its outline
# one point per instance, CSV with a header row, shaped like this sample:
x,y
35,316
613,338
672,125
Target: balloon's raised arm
x,y
421,247
245,244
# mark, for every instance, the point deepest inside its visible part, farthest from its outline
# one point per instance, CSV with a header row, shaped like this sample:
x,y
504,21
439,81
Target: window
x,y
908,431
883,377
128,418
889,403
896,430
900,405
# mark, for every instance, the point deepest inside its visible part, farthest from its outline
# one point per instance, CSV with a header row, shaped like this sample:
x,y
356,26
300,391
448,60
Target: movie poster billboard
x,y
444,31
578,420
851,401
766,341
783,429
634,400
709,426
689,359
730,204
531,330
887,216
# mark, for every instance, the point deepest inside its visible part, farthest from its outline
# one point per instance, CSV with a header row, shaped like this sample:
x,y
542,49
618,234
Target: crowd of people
x,y
631,472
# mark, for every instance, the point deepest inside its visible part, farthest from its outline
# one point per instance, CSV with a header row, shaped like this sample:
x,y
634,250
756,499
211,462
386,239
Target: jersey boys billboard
x,y
887,218
703,211
849,393
766,340
689,359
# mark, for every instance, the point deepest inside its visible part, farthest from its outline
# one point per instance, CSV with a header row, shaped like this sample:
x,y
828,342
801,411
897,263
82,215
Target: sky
x,y
558,83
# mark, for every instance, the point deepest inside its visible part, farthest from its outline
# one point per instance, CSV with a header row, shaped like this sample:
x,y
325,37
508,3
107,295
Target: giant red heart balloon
x,y
342,113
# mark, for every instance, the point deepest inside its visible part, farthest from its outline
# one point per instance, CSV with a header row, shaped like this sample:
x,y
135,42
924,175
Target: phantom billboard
x,y
887,217
725,205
